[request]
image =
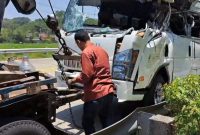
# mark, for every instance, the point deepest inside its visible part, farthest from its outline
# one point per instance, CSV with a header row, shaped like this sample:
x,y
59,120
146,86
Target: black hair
x,y
82,36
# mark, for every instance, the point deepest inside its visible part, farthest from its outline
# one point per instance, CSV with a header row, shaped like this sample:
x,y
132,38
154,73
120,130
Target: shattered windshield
x,y
107,13
116,14
78,16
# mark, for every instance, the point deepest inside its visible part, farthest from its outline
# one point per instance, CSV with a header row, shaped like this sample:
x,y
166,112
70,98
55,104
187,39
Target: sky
x,y
42,5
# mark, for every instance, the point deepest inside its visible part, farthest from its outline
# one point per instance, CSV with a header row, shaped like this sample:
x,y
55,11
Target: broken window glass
x,y
74,18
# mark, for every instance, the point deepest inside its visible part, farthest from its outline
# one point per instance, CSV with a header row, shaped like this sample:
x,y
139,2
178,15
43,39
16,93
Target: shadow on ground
x,y
64,117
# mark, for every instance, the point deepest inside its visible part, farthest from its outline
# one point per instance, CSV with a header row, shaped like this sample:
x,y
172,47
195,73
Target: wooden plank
x,y
8,76
45,75
4,96
12,67
33,88
15,82
26,85
17,93
34,73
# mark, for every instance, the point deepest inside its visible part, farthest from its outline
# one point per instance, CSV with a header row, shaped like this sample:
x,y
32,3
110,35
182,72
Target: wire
x,y
72,116
62,69
52,9
41,15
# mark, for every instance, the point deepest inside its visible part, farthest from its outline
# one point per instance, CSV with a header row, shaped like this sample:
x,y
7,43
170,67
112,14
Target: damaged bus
x,y
149,43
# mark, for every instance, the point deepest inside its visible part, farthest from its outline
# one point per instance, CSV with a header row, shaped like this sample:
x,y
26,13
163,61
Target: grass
x,y
4,57
27,45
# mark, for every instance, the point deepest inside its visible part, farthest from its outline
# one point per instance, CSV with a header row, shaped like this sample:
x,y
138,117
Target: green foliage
x,y
183,97
18,35
91,21
20,29
5,36
21,20
60,17
27,45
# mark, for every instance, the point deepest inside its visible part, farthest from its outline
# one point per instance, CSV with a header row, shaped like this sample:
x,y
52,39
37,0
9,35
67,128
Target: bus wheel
x,y
155,93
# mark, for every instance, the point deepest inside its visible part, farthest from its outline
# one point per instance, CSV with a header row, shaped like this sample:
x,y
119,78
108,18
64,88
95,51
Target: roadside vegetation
x,y
30,55
27,45
183,97
4,57
23,29
22,32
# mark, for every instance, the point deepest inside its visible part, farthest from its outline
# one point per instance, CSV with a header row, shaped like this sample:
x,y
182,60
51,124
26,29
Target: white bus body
x,y
142,60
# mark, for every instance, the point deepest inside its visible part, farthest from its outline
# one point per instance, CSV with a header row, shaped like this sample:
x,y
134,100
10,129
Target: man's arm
x,y
87,70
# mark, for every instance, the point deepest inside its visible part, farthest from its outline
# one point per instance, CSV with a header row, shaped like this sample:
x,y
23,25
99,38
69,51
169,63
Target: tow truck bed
x,y
33,98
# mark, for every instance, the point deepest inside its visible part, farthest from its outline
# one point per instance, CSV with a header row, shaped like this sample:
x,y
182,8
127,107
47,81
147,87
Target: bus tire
x,y
155,93
24,127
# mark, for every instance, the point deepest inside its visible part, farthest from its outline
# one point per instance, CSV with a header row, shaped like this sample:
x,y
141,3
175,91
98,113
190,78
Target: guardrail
x,y
29,50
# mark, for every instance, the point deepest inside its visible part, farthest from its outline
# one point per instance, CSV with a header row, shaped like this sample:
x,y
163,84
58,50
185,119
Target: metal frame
x,y
30,50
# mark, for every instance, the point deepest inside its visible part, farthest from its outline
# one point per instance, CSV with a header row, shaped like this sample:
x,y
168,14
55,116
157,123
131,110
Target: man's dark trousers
x,y
101,107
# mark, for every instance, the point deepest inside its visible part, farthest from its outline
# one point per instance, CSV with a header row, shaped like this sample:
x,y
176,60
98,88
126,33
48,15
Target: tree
x,y
60,17
19,35
91,21
21,20
6,35
18,28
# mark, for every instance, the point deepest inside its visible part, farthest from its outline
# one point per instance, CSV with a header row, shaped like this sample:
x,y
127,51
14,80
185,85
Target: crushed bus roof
x,y
178,4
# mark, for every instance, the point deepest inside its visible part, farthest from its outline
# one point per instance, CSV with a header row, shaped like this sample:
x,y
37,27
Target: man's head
x,y
81,38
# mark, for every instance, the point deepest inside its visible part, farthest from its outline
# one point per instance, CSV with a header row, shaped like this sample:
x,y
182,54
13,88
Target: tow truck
x,y
34,110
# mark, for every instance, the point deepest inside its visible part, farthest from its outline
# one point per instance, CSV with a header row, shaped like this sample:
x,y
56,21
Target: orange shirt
x,y
95,73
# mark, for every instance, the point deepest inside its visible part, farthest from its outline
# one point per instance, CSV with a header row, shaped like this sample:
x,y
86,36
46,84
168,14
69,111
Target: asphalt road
x,y
46,65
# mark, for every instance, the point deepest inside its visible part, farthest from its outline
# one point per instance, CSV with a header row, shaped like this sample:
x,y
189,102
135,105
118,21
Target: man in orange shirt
x,y
98,86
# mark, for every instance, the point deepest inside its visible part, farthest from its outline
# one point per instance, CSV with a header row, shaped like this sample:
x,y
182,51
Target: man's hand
x,y
71,81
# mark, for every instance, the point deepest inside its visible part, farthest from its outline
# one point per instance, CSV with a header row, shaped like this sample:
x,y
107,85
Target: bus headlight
x,y
123,64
